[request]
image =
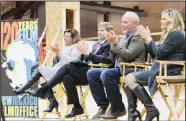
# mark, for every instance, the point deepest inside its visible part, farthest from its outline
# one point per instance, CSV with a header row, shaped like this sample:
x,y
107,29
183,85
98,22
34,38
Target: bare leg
x,y
131,81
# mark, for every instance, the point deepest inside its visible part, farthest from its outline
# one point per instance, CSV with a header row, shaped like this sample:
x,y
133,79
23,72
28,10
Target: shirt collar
x,y
130,33
102,41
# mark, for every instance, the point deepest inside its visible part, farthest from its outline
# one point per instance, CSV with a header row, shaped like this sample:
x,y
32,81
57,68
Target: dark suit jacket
x,y
102,56
130,50
171,50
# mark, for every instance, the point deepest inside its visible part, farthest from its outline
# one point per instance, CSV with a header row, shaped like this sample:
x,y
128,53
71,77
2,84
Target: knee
x,y
106,77
67,65
90,72
66,79
129,79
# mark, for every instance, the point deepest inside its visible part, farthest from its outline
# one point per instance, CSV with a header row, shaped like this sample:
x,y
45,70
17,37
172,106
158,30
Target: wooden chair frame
x,y
82,95
160,80
53,113
122,78
178,82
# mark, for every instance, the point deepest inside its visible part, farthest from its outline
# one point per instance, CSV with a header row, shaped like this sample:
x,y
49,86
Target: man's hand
x,y
82,47
55,49
111,37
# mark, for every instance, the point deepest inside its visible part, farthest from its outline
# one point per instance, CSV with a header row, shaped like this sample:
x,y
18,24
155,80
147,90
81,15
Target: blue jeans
x,y
98,78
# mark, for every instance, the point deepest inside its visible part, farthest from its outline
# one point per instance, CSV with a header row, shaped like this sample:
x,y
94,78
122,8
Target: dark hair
x,y
74,35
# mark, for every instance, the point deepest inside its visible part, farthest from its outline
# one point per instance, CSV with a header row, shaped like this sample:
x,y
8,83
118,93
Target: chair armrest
x,y
94,65
99,65
140,64
126,64
165,63
104,65
172,62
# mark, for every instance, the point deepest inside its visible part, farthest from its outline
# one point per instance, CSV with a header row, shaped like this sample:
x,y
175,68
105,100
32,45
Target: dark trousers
x,y
70,86
71,75
98,78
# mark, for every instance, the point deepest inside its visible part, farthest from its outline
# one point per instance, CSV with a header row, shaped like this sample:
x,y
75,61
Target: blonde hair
x,y
175,22
107,25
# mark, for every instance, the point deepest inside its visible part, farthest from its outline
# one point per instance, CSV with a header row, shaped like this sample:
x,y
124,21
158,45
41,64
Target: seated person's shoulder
x,y
137,37
177,33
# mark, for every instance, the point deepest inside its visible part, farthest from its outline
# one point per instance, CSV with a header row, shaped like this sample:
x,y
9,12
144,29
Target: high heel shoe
x,y
133,113
134,116
53,104
143,96
158,117
151,114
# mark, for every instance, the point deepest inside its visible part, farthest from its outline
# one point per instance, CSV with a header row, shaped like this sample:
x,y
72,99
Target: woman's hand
x,y
55,49
144,33
82,47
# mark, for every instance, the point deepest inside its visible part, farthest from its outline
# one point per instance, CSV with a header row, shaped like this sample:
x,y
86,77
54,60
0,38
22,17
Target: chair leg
x,y
164,97
75,118
83,96
108,108
171,102
178,89
181,108
45,113
59,115
43,116
143,112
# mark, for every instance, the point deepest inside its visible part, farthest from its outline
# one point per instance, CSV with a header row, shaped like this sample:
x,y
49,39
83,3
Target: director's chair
x,y
83,93
172,96
134,65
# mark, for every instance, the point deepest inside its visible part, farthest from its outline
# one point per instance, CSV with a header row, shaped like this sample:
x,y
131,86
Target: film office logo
x,y
19,53
19,40
13,30
13,107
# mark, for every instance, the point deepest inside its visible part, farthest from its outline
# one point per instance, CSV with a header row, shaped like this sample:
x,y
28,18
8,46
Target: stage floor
x,y
92,109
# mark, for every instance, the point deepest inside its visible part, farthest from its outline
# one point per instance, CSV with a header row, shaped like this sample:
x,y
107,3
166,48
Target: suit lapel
x,y
129,39
94,47
105,42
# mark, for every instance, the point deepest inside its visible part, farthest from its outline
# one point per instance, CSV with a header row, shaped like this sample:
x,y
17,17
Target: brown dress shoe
x,y
99,113
113,115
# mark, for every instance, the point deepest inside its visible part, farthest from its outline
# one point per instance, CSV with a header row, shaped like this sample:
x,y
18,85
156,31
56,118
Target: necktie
x,y
98,48
126,37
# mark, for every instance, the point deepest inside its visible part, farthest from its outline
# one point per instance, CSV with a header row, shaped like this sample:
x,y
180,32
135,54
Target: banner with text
x,y
19,57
